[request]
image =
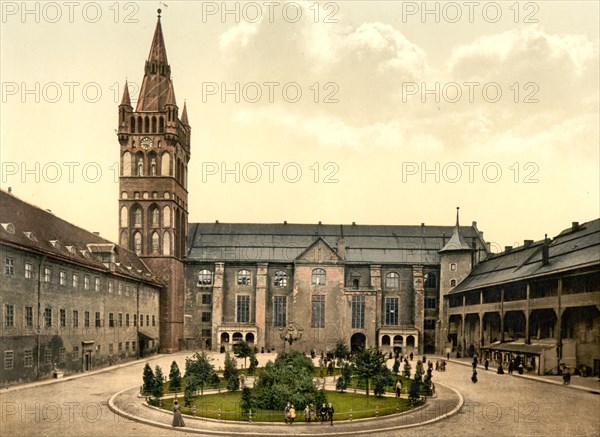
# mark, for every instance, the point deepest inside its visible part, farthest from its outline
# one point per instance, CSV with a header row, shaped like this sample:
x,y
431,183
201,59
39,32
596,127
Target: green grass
x,y
228,402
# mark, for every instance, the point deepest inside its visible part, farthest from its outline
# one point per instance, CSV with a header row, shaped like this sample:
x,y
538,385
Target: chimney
x,y
285,222
9,190
216,222
527,243
341,247
575,226
353,223
320,222
546,251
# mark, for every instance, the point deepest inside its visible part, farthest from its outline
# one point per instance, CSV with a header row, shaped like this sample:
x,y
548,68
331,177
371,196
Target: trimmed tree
x,y
406,371
341,350
174,377
396,367
246,400
188,396
345,377
382,380
159,380
413,391
419,371
148,379
230,373
427,388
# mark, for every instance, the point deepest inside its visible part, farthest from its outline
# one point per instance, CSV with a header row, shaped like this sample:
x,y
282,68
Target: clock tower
x,y
153,199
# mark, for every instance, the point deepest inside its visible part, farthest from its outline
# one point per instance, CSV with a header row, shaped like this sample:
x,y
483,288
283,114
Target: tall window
x,y
318,277
358,311
9,266
392,280
75,280
75,318
391,310
86,319
430,302
204,277
48,317
243,277
207,299
98,320
155,217
29,317
62,277
47,274
243,309
279,310
280,279
127,320
429,324
453,267
137,217
431,281
137,243
10,315
86,282
9,360
28,358
28,270
155,242
97,284
111,320
120,319
63,318
318,312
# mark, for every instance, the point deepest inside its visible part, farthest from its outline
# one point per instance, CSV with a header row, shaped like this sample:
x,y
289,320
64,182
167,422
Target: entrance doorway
x,y
358,342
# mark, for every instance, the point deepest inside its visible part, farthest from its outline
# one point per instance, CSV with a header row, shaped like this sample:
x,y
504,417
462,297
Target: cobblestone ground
x,y
498,405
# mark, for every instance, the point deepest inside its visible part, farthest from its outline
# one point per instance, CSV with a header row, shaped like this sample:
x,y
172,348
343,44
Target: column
x,y
558,334
502,315
527,311
260,304
217,303
376,285
419,304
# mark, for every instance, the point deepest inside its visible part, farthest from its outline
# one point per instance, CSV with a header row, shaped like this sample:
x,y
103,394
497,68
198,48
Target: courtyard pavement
x,y
498,405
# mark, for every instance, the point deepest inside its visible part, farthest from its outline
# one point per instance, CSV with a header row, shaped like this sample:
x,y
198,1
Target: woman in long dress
x,y
177,419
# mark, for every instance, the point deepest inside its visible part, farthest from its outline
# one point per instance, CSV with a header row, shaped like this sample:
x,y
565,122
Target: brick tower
x,y
153,198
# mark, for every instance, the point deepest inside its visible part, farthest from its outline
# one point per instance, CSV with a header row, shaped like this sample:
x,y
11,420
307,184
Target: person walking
x,y
307,413
398,388
411,356
474,376
486,363
510,366
567,378
330,412
286,413
177,419
292,415
500,369
323,413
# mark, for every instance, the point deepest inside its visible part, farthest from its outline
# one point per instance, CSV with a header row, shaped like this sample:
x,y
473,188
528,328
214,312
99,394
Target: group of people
x,y
440,366
326,413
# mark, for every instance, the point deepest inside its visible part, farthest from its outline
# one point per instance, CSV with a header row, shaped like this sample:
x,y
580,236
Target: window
x,y
141,320
318,277
429,323
75,280
47,356
147,320
28,358
318,311
120,319
48,317
280,310
10,315
86,282
392,280
127,320
243,309
75,354
155,242
63,318
127,290
9,267
98,320
110,287
126,346
155,217
358,312
28,270
206,333
243,277
47,274
137,243
137,217
452,282
9,360
153,320
430,302
207,299
206,317
62,355
204,277
75,319
111,348
97,284
111,320
120,347
86,319
430,280
29,317
391,310
120,288
135,320
133,346
453,267
280,279
62,277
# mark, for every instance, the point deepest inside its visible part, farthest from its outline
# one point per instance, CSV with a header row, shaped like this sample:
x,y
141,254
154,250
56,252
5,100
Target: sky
x,y
340,112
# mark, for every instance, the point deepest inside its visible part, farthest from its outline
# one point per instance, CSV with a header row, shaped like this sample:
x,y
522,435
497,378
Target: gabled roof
x,y
456,242
368,244
570,250
314,253
42,232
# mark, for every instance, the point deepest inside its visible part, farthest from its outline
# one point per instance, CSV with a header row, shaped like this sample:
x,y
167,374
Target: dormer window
x,y
31,236
204,278
55,244
9,227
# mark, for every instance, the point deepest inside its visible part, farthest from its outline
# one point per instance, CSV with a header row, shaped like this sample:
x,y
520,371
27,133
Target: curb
x,y
115,409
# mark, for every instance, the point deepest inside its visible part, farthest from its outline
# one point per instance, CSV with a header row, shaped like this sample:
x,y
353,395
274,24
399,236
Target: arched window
x,y
155,216
153,165
153,124
452,282
139,124
139,164
137,243
166,216
165,164
161,124
146,124
126,170
124,217
132,122
155,243
204,277
243,277
392,280
280,279
453,267
166,244
137,217
318,277
430,280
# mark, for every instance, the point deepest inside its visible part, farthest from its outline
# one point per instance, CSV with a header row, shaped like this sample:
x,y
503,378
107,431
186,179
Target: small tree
x,y
253,363
242,349
159,380
341,350
345,378
368,363
407,369
188,396
413,391
382,380
230,373
396,367
199,372
148,379
174,377
246,401
427,387
419,371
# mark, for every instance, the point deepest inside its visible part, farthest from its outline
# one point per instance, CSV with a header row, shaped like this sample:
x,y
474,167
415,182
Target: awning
x,y
147,336
523,348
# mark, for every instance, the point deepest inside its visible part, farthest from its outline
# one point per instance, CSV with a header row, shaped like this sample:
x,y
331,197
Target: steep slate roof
x,y
373,244
456,242
71,243
568,250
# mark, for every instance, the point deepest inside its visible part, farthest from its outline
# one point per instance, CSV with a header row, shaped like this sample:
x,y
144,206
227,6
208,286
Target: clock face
x,y
146,143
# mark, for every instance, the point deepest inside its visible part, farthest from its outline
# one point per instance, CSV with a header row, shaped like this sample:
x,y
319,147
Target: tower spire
x,y
184,116
126,100
456,242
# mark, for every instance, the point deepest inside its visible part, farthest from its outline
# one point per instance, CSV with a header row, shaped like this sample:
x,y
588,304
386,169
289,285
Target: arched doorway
x,y
250,337
224,337
410,343
358,341
385,340
237,336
